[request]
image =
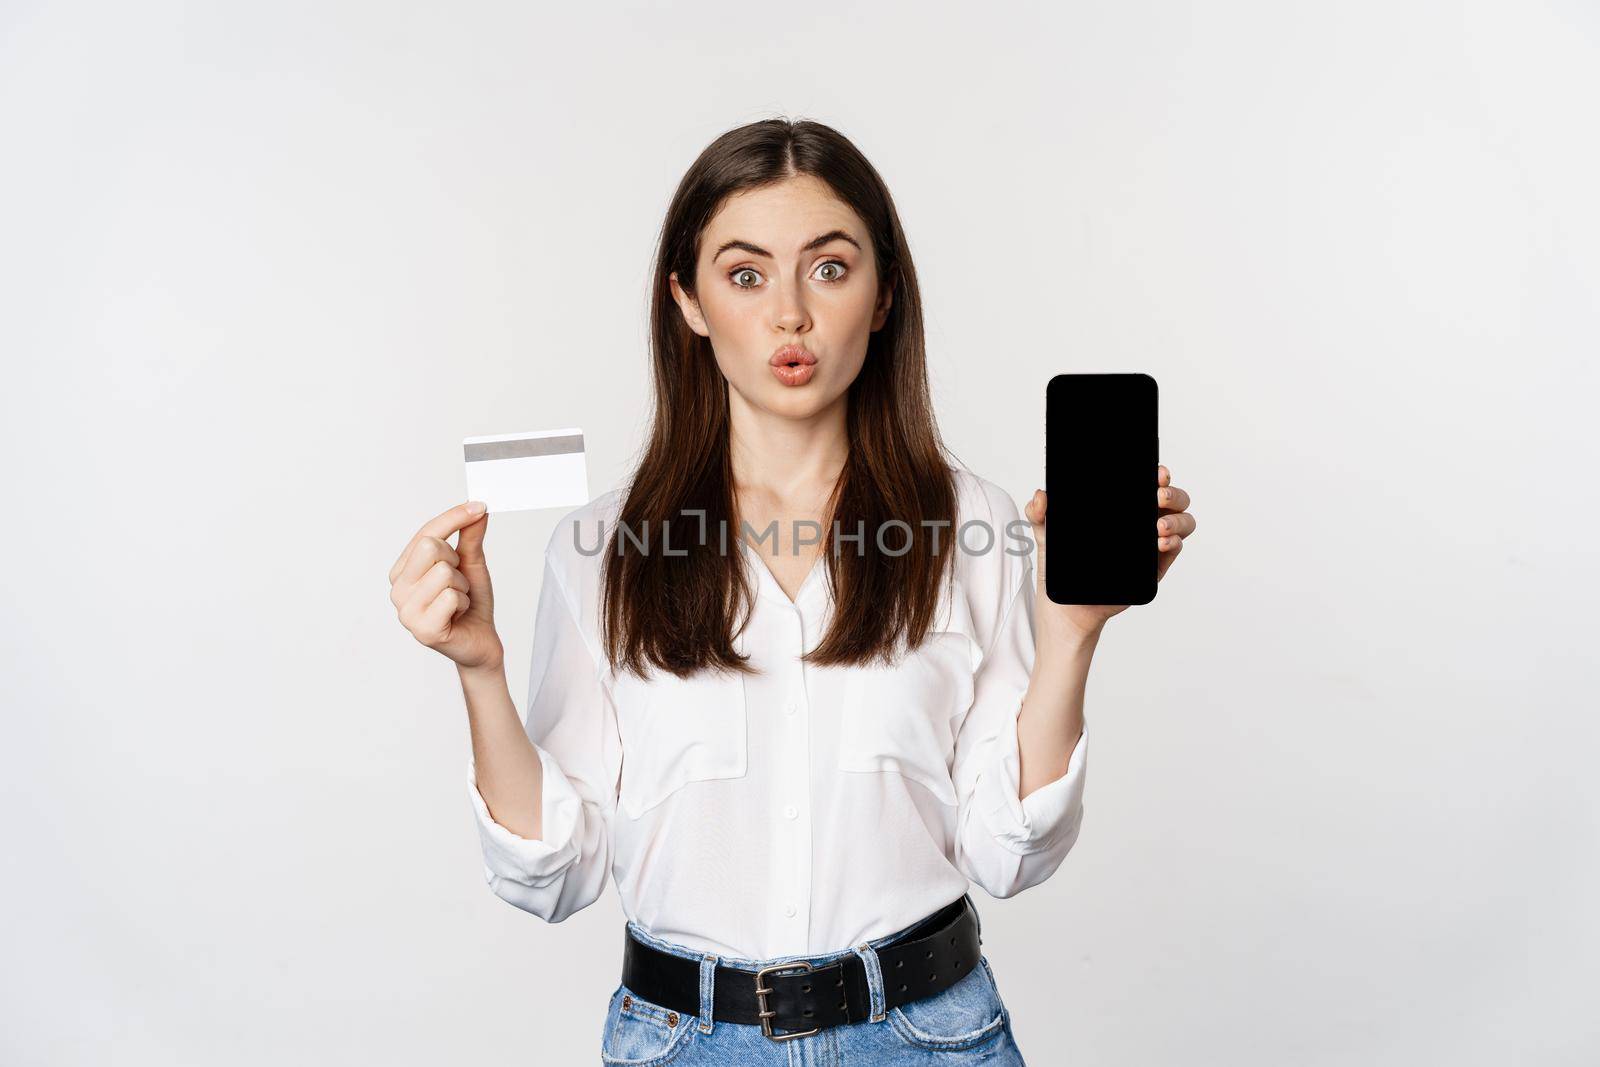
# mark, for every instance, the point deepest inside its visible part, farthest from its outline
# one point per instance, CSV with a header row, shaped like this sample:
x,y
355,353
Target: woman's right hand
x,y
443,595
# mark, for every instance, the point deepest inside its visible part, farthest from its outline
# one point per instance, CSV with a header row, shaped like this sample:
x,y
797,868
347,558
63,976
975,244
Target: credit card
x,y
518,471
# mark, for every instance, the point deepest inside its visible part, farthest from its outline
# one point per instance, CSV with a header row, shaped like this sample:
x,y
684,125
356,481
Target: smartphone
x,y
1100,479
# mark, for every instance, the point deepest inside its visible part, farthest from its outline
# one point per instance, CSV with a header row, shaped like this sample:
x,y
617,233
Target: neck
x,y
794,462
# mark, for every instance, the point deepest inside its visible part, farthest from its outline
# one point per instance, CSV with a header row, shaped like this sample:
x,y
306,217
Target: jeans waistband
x,y
638,932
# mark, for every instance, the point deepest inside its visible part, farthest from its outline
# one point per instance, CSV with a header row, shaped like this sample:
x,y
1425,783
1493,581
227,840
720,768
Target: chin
x,y
801,403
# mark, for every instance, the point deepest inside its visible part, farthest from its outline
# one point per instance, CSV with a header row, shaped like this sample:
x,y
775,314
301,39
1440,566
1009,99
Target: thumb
x,y
1035,512
475,569
469,545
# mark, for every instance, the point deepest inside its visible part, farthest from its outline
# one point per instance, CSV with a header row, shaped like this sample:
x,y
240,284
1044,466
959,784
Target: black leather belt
x,y
803,998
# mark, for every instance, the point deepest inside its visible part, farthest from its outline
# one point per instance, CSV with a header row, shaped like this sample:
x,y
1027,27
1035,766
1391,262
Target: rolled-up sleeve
x,y
1007,843
572,723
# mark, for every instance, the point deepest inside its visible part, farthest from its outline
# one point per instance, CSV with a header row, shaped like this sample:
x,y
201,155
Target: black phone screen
x,y
1100,478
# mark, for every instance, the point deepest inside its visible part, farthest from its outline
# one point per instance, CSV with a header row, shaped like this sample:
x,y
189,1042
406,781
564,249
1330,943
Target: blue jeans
x,y
966,1023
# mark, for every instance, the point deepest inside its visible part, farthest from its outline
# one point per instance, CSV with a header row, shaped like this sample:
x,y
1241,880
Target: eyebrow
x,y
757,250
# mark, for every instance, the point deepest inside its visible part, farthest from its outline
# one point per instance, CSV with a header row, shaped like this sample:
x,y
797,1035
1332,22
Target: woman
x,y
785,689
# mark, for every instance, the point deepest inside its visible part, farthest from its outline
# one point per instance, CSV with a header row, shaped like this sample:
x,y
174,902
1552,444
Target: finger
x,y
419,598
430,583
1163,476
1172,498
435,580
1180,523
433,622
1164,560
440,526
428,553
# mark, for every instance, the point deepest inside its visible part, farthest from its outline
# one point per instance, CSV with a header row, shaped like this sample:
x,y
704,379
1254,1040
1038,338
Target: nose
x,y
791,315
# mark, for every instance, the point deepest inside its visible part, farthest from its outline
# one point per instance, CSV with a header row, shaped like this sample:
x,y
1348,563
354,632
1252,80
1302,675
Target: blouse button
x,y
790,811
788,709
788,909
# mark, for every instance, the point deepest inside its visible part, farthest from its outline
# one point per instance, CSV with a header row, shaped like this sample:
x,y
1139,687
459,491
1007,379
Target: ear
x,y
880,314
688,306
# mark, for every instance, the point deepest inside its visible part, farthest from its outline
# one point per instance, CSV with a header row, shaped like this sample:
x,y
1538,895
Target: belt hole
x,y
932,975
899,963
930,953
805,989
952,940
840,982
902,987
842,1005
807,1013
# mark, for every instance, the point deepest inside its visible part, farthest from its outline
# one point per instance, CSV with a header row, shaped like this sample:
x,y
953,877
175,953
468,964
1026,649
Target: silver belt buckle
x,y
767,1013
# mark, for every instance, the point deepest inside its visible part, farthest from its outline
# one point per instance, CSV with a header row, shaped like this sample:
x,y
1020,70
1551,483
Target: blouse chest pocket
x,y
675,731
903,719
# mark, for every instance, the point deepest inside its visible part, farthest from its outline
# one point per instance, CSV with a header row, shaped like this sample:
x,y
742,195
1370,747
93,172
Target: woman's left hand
x,y
1173,524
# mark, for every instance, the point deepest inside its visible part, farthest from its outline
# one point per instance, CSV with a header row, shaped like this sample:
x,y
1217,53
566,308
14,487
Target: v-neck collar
x,y
767,583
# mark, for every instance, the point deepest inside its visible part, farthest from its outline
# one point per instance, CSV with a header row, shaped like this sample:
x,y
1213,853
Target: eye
x,y
736,275
838,270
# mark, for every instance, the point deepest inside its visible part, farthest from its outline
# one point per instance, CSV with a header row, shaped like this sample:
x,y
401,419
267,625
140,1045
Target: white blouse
x,y
803,810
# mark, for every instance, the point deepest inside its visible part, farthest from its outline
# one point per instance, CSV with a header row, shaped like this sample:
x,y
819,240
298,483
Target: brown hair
x,y
678,611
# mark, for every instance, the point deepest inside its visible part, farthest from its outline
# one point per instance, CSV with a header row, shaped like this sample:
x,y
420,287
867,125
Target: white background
x,y
264,265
